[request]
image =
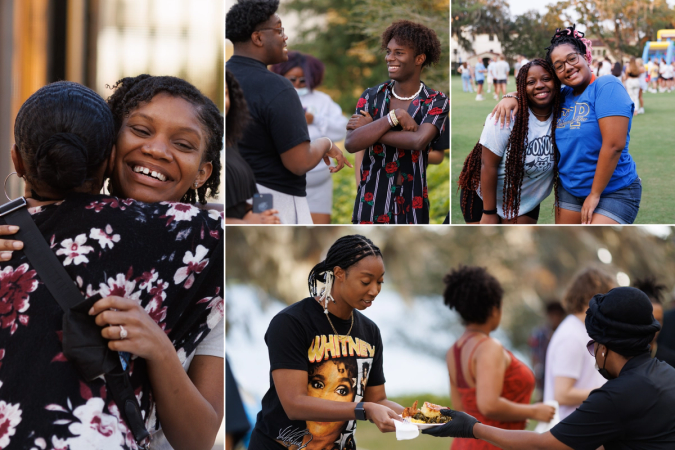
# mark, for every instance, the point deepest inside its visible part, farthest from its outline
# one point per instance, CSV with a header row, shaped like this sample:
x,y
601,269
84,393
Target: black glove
x,y
461,425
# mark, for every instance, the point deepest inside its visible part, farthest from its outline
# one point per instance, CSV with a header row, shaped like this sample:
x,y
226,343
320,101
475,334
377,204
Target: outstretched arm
x,y
299,405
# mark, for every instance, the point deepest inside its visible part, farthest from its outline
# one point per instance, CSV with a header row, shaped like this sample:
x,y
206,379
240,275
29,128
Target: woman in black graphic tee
x,y
326,358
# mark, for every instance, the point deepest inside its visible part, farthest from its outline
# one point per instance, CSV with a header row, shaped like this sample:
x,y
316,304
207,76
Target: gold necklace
x,y
333,327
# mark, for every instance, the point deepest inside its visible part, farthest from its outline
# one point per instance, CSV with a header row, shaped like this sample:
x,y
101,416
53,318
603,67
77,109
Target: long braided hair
x,y
469,178
344,253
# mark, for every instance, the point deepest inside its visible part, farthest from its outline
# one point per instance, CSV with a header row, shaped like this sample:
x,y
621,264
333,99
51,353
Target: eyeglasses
x,y
280,31
301,80
591,347
571,59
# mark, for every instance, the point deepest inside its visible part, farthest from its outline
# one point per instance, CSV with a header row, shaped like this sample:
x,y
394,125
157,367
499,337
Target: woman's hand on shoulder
x,y
543,412
382,416
7,246
144,337
505,111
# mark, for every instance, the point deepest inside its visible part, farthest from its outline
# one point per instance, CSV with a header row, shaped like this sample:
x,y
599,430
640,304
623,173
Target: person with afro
x,y
397,123
633,409
276,142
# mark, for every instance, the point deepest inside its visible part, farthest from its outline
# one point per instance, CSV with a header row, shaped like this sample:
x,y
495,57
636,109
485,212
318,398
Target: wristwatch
x,y
359,412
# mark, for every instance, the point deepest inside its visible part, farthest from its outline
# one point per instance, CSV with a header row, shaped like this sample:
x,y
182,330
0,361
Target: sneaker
x,y
495,97
479,98
641,111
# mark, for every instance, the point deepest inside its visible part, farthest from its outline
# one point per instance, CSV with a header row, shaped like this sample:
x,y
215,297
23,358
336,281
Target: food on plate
x,y
429,413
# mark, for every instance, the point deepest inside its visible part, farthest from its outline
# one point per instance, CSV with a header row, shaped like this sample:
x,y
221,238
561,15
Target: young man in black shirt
x,y
276,142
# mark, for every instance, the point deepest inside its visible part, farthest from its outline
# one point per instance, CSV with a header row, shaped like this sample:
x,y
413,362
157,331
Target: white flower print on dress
x,y
179,211
92,429
121,286
75,250
105,238
195,265
10,418
217,307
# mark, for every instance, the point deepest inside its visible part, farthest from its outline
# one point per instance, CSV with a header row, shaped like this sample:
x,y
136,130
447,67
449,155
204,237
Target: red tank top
x,y
518,387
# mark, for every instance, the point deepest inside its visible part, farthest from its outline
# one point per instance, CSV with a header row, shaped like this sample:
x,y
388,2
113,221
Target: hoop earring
x,y
7,178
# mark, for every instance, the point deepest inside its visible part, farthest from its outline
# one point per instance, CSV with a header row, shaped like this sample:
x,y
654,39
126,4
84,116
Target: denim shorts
x,y
621,205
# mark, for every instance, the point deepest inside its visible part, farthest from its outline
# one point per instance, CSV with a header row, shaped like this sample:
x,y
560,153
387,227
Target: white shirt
x,y
501,70
328,120
567,356
539,161
212,345
491,69
605,69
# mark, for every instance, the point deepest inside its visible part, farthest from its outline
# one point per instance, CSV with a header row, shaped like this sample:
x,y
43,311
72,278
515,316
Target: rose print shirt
x,y
167,256
339,368
378,198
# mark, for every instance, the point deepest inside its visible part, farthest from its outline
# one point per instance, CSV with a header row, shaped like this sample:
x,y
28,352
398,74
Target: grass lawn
x,y
652,139
344,191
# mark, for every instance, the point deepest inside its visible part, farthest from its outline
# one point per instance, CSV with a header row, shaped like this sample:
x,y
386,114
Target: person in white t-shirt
x,y
491,75
570,373
605,68
503,179
501,74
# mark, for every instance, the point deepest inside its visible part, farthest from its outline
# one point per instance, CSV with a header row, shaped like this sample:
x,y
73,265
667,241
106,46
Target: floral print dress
x,y
379,199
167,256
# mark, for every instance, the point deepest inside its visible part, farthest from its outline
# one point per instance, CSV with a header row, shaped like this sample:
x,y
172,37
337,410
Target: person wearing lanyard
x,y
634,409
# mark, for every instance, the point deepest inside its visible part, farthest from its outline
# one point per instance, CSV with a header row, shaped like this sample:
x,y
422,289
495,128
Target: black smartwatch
x,y
359,412
490,211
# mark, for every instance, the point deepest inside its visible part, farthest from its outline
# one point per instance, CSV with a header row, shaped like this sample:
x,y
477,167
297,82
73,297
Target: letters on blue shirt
x,y
579,140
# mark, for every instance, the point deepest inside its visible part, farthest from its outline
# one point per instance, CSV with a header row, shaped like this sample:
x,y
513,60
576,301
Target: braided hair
x,y
64,132
237,117
344,253
572,37
130,92
469,178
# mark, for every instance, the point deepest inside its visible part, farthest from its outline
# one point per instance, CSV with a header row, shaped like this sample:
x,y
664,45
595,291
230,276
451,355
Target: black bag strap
x,y
67,295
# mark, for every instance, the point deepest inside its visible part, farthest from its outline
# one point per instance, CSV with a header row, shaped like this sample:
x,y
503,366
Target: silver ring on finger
x,y
123,333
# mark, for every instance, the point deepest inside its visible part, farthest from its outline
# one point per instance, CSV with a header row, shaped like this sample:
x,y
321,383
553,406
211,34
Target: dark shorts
x,y
479,81
621,205
500,81
474,207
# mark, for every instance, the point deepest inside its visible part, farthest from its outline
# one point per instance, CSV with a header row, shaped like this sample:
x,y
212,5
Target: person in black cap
x,y
634,409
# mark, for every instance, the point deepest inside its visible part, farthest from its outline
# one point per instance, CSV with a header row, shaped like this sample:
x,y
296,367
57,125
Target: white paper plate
x,y
424,426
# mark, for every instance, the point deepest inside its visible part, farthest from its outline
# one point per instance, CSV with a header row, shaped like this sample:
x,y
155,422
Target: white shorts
x,y
320,189
292,210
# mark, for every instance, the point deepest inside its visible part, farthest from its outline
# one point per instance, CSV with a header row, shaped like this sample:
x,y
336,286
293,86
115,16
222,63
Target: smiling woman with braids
x,y
512,169
326,358
598,178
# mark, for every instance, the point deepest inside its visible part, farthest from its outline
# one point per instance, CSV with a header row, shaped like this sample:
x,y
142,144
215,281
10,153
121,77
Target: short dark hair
x,y
586,283
651,287
473,293
422,39
64,132
130,92
242,18
344,253
237,117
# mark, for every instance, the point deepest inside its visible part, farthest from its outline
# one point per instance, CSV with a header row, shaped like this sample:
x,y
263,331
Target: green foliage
x,y
651,139
347,40
534,35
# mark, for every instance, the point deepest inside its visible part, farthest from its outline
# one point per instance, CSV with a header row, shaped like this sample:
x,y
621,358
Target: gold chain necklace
x,y
333,327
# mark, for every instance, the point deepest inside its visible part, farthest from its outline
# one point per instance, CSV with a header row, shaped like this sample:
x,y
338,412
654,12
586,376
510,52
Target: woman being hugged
x,y
486,380
598,178
511,170
326,358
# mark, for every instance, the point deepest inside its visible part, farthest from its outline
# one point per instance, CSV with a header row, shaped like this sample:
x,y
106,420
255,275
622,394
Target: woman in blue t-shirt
x,y
598,179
